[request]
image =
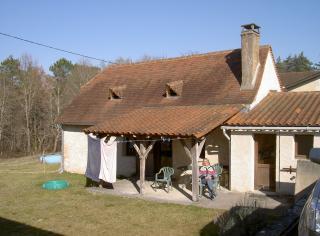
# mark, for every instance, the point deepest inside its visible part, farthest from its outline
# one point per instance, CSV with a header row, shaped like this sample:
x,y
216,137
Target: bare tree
x,y
30,83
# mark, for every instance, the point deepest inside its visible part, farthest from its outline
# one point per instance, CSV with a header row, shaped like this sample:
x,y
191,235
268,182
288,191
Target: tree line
x,y
31,100
296,63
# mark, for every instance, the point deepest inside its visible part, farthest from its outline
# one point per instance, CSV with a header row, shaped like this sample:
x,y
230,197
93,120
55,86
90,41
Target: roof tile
x,y
282,109
181,121
292,79
208,79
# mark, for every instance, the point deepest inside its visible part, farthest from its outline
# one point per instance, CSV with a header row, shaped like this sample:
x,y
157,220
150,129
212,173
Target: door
x,y
265,162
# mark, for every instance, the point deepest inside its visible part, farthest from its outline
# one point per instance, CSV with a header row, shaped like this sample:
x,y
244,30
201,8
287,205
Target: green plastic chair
x,y
163,177
218,168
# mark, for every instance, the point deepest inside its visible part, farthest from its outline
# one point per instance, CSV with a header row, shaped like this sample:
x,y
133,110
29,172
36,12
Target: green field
x,y
27,209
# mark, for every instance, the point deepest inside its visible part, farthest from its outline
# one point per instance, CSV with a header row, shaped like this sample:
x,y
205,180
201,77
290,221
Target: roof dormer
x,y
174,88
116,92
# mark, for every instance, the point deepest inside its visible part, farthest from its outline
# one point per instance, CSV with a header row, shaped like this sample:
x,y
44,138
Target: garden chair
x,y
163,177
218,168
202,186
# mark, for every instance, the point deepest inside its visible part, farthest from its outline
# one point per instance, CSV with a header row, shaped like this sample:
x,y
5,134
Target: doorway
x,y
162,155
265,162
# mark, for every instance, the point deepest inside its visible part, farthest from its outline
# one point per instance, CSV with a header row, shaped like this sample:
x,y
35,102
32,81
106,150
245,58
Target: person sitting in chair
x,y
208,177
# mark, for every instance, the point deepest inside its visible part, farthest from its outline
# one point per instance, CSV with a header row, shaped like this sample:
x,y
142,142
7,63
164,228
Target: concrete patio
x,y
182,195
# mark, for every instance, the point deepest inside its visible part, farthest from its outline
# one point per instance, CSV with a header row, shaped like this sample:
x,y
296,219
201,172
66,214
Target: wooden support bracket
x,y
143,152
193,153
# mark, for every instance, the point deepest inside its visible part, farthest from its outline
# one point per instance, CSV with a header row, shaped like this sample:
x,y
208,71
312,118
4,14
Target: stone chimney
x,y
250,36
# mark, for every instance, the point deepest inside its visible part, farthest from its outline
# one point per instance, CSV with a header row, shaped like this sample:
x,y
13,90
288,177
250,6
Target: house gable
x,y
269,82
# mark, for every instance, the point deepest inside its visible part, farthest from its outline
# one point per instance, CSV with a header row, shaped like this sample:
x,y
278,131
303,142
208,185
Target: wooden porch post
x,y
195,172
194,154
143,155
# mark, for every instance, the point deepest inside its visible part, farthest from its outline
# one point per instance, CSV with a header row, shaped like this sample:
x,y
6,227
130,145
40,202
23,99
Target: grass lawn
x,y
27,209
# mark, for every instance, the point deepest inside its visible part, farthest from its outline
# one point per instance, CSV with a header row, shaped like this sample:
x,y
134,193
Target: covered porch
x,y
146,127
225,199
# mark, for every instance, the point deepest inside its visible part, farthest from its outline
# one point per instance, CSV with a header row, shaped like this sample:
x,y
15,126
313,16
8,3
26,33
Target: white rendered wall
x,y
75,149
269,81
126,165
316,140
179,157
216,150
285,181
242,162
75,153
311,86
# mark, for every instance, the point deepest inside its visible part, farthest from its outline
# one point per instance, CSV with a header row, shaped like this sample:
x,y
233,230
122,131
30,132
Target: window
x,y
171,93
116,93
174,89
113,95
303,144
130,151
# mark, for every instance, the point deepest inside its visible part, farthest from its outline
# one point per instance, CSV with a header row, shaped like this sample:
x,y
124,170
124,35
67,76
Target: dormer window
x,y
174,89
116,93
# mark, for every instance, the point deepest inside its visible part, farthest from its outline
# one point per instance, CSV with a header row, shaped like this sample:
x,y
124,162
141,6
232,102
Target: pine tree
x,y
298,62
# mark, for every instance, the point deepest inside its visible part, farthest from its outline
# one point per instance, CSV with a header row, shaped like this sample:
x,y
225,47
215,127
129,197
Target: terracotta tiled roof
x,y
181,121
292,79
208,79
282,109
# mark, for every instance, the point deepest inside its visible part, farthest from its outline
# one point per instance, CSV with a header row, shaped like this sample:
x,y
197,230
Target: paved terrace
x,y
180,195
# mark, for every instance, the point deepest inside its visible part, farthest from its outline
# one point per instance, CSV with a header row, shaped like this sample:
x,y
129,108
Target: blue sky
x,y
110,29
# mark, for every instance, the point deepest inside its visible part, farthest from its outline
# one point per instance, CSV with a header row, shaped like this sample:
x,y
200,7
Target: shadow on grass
x,y
103,184
239,221
247,217
10,227
210,230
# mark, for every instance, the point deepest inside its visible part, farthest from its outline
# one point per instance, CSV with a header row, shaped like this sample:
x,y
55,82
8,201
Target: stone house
x,y
191,107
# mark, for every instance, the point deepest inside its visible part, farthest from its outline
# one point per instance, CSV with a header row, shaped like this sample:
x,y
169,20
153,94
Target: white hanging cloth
x,y
94,158
108,169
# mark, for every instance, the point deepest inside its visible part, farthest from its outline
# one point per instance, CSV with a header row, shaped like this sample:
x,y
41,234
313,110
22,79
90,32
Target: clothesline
x,y
30,172
149,140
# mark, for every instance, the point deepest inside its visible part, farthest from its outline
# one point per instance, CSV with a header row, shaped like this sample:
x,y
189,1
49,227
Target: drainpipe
x,y
62,151
266,128
225,134
229,157
279,154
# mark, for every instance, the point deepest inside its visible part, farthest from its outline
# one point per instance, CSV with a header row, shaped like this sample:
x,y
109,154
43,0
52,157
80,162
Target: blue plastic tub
x,y
55,158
